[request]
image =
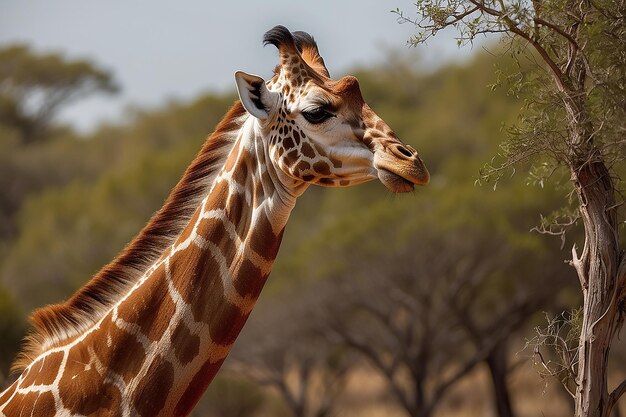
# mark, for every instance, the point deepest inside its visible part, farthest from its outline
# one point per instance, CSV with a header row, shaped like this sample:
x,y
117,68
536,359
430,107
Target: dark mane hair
x,y
59,322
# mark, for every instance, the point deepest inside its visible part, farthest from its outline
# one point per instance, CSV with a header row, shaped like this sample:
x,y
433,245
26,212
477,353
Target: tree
x,y
575,118
34,87
284,348
230,397
429,313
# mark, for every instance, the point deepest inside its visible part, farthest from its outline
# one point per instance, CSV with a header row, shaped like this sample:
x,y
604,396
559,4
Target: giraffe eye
x,y
317,115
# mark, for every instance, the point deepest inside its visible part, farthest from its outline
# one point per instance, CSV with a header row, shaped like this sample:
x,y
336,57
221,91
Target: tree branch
x,y
461,16
558,30
512,26
615,396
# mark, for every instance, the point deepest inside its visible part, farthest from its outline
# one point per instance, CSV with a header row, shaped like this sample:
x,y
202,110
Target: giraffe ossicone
x,y
147,334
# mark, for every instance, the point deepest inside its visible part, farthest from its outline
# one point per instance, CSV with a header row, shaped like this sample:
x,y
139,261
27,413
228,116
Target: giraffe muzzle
x,y
400,168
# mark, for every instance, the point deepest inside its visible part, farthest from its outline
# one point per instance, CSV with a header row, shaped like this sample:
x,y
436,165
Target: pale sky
x,y
180,49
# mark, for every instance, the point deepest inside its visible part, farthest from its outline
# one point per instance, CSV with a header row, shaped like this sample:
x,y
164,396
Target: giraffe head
x,y
320,130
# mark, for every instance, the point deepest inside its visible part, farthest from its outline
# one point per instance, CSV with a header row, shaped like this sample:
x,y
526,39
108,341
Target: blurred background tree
x,y
309,375
231,396
35,87
426,298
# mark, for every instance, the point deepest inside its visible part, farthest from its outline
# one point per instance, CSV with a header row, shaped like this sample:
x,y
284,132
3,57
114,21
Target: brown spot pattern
x,y
205,292
152,308
126,362
153,391
44,370
186,345
320,150
240,175
196,388
321,168
249,280
264,241
292,157
225,321
336,162
196,274
288,142
31,404
307,150
191,272
82,389
303,166
259,194
238,215
44,405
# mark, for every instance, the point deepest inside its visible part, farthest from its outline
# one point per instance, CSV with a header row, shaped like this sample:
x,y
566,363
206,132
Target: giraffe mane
x,y
59,322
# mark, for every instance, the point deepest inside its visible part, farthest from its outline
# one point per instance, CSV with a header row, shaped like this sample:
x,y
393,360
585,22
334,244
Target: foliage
x,y
28,170
574,118
96,220
34,87
539,34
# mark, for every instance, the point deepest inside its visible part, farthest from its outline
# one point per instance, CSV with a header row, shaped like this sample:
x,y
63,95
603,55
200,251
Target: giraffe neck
x,y
158,349
226,254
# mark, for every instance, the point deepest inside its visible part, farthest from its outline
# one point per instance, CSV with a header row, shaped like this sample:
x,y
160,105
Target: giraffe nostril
x,y
404,151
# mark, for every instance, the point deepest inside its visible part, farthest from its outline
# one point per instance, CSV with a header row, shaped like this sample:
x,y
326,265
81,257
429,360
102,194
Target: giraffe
x,y
147,334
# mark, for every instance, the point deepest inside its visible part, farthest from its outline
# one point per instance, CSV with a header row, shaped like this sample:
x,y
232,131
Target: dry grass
x,y
532,396
471,397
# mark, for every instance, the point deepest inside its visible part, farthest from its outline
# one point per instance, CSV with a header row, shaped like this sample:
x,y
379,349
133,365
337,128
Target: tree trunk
x,y
598,272
418,407
424,411
498,368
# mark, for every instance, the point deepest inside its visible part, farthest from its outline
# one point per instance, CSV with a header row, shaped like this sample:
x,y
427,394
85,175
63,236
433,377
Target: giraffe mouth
x,y
394,182
400,169
402,177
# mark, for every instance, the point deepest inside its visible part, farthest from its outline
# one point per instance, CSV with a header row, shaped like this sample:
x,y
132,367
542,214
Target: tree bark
x,y
598,272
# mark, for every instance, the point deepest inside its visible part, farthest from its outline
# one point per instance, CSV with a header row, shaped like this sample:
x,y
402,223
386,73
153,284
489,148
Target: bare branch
x,y
577,263
615,396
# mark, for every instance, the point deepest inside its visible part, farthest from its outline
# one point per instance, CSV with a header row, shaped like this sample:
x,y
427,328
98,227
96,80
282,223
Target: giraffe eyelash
x,y
317,115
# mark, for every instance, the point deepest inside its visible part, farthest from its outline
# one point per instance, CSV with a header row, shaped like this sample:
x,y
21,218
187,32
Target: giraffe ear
x,y
254,95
